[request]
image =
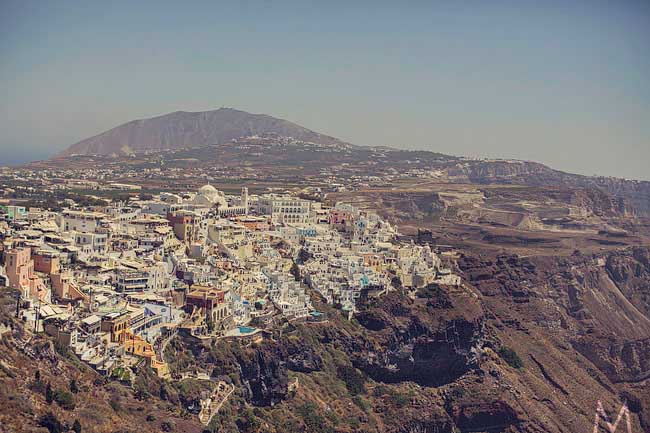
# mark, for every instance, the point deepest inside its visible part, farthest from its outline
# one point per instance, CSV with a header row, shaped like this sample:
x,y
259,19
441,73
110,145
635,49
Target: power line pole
x,y
18,298
38,313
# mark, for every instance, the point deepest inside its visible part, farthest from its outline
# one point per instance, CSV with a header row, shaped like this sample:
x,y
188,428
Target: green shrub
x,y
398,399
511,357
64,399
361,403
114,402
164,395
248,421
355,382
314,422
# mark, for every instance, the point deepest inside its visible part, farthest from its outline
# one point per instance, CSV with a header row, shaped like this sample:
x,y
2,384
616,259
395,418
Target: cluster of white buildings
x,y
204,262
357,255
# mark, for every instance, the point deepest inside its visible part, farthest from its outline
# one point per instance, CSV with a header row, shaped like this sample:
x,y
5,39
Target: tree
x,y
295,271
37,375
49,395
76,427
163,392
51,422
354,380
248,421
74,388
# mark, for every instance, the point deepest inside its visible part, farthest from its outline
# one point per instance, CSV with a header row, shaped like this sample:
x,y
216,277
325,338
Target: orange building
x,y
138,346
255,223
116,324
374,261
210,299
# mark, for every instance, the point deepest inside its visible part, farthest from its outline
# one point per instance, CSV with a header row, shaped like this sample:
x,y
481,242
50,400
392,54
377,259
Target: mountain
x,y
182,129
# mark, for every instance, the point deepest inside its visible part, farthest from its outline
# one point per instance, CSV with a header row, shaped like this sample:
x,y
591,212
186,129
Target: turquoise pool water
x,y
246,330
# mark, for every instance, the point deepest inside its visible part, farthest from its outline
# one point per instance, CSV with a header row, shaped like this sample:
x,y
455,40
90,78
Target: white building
x,y
90,243
285,209
80,221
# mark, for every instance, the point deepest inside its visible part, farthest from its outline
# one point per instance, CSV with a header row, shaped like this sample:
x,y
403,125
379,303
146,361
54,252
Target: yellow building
x,y
138,346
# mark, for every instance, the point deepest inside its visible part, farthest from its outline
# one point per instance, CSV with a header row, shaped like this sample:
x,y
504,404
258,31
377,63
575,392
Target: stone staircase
x,y
210,406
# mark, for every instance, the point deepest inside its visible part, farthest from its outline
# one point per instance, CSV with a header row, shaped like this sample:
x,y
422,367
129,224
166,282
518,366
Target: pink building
x,y
46,262
20,272
65,289
19,267
341,220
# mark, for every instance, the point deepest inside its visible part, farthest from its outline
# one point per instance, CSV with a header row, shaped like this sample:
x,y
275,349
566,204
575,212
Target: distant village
x,y
114,283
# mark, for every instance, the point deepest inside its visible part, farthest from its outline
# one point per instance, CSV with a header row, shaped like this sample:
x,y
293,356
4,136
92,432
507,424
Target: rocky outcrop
x,y
263,377
302,358
505,275
429,358
418,340
493,416
621,360
630,270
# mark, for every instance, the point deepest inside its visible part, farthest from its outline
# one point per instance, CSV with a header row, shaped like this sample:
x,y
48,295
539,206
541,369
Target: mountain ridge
x,y
181,129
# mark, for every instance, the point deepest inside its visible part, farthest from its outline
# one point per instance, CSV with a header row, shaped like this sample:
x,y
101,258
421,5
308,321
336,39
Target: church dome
x,y
208,190
208,195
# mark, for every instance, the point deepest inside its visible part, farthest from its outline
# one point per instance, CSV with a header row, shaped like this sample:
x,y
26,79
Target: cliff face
x,y
526,344
626,196
594,305
630,270
263,377
421,338
635,194
619,339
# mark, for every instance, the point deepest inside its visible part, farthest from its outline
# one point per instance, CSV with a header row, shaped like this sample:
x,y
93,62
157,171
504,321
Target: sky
x,y
562,83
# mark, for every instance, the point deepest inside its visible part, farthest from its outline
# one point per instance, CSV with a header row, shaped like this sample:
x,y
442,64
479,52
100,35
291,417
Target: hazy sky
x,y
564,83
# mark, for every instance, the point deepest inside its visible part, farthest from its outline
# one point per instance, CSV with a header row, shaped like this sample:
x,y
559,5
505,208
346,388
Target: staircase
x,y
210,406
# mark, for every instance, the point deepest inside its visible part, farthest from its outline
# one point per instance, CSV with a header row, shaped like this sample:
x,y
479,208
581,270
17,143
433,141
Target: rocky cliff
x,y
525,344
626,195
